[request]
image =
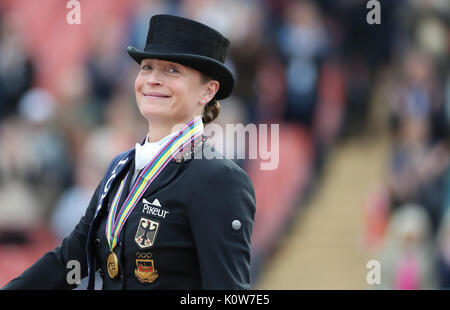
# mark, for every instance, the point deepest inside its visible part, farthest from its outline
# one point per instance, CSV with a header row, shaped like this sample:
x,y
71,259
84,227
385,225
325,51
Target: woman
x,y
164,216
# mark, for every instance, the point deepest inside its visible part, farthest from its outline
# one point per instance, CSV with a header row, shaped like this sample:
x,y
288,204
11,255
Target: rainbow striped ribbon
x,y
114,225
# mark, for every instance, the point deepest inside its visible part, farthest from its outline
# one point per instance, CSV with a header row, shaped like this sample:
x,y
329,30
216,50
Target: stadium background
x,y
363,111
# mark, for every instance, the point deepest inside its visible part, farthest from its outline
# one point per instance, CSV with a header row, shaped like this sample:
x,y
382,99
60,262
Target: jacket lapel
x,y
123,161
121,164
165,176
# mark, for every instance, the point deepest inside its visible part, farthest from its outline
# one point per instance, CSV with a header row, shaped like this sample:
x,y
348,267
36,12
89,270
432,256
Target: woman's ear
x,y
212,86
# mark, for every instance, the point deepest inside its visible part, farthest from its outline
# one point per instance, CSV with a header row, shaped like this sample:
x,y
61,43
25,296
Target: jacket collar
x,y
187,153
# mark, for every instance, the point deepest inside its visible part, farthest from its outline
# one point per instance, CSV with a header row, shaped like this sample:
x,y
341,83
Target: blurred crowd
x,y
313,63
408,216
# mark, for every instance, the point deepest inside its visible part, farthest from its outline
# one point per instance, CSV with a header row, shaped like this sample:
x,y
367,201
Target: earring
x,y
203,100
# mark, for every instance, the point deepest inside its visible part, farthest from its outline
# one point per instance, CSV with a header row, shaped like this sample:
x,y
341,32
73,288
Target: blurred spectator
x,y
270,86
407,257
77,112
303,42
415,95
21,207
106,62
424,24
16,67
420,155
33,155
417,171
47,154
408,153
366,50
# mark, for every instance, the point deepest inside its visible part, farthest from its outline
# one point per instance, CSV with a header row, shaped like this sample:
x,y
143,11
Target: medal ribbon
x,y
114,225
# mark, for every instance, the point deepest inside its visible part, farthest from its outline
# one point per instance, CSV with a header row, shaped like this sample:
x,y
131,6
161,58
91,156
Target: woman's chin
x,y
151,112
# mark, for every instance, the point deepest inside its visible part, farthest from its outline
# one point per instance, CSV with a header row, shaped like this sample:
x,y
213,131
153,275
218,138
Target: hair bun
x,y
211,111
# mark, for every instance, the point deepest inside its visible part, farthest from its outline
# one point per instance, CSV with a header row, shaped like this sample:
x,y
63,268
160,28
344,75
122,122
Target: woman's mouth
x,y
154,95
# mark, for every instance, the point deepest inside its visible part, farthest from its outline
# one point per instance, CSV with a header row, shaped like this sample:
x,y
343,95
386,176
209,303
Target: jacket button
x,y
236,225
97,242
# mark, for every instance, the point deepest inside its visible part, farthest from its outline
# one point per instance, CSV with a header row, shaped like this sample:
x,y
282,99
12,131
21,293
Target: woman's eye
x,y
173,70
146,67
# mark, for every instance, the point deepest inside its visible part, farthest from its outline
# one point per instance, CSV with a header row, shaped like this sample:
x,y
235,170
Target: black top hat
x,y
189,43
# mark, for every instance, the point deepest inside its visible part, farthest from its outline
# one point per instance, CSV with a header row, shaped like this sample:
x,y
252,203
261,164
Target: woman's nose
x,y
154,78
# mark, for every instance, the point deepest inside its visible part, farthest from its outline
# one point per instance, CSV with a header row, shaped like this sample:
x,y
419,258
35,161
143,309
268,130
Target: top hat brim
x,y
210,67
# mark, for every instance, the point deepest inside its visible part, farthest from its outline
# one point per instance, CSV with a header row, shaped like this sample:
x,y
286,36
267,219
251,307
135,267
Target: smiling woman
x,y
168,93
165,216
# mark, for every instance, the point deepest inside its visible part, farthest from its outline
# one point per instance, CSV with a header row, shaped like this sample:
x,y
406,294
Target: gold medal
x,y
112,264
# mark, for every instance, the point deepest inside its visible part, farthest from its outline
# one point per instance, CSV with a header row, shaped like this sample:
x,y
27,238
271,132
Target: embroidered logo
x,y
154,208
145,270
146,233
